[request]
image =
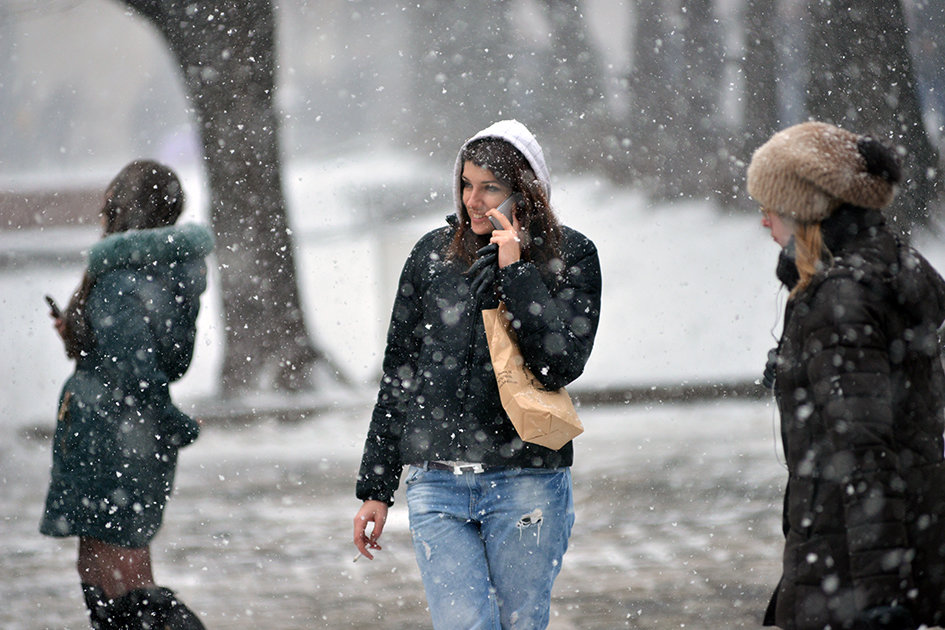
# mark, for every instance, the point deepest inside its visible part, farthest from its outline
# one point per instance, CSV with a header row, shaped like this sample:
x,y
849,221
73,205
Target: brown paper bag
x,y
543,417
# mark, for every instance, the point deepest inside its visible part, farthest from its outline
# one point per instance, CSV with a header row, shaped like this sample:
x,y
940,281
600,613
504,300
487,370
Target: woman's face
x,y
482,192
781,228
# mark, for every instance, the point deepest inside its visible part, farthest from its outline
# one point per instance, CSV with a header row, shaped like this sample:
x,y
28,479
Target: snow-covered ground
x,y
677,527
678,505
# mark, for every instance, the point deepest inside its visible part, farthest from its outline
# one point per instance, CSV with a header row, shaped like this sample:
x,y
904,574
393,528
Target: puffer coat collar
x,y
860,243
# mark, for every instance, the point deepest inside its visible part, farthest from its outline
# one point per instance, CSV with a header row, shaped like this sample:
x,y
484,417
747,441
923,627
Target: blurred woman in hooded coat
x,y
860,390
130,328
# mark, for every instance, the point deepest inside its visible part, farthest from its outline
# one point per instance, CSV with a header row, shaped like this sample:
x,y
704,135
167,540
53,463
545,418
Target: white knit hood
x,y
516,134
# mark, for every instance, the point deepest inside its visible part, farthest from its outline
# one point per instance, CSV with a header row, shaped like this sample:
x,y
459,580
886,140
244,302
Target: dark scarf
x,y
787,270
838,229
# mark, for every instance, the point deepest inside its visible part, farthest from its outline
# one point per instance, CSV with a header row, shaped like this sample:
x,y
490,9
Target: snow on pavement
x,y
677,526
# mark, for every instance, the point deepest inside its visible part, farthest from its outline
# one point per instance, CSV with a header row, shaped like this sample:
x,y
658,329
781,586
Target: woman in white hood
x,y
490,515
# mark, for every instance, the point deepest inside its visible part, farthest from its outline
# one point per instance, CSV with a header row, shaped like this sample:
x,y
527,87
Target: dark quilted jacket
x,y
438,398
861,391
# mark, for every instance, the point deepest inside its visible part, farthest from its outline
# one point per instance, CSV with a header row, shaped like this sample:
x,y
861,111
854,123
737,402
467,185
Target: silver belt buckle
x,y
473,468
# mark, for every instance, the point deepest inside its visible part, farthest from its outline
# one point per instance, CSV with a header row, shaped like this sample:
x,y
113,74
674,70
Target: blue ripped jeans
x,y
489,545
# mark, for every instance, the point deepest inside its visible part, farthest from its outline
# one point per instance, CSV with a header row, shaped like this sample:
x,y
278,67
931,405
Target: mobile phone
x,y
53,307
506,208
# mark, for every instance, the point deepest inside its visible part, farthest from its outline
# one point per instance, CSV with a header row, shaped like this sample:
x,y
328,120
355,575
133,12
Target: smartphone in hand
x,y
506,208
54,311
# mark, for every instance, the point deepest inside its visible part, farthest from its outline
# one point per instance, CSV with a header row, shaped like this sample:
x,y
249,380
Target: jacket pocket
x,y
414,473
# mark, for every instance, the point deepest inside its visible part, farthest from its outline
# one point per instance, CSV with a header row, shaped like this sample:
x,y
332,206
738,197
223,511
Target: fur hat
x,y
806,171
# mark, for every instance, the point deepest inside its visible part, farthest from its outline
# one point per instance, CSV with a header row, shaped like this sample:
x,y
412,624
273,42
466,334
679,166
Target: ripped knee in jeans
x,y
532,519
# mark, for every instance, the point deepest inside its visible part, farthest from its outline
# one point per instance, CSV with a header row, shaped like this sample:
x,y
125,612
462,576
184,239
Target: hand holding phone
x,y
507,207
54,311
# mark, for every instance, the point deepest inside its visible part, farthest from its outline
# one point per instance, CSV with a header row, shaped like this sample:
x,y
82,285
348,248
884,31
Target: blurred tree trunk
x,y
462,74
226,52
700,130
572,100
928,50
675,92
651,95
9,141
760,70
862,78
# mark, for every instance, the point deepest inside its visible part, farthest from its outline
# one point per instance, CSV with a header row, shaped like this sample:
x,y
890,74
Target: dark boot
x,y
155,608
101,609
179,617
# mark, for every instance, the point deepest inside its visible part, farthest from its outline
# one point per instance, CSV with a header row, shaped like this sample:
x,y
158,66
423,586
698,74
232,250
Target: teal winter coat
x,y
118,433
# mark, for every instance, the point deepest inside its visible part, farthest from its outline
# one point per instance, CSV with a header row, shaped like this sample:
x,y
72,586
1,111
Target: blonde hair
x,y
810,253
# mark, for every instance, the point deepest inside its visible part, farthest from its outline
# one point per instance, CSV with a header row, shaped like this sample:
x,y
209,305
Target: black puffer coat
x,y
438,398
861,392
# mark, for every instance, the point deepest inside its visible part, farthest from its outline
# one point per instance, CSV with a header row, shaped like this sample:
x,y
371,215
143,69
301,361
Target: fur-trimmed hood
x,y
139,248
806,171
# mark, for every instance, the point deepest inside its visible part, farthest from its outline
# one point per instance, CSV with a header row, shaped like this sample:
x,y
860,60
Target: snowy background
x,y
689,292
678,504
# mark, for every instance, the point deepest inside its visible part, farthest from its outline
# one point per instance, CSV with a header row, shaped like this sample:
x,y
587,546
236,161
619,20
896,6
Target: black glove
x,y
484,269
886,618
767,380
